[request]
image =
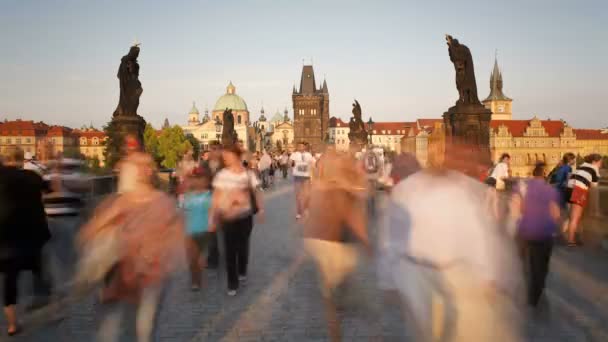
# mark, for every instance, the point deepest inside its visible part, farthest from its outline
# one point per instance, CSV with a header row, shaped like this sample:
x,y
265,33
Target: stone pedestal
x,y
357,141
467,129
131,124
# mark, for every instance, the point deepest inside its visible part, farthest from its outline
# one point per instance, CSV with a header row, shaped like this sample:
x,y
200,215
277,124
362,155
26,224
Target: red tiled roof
x,y
337,122
517,128
59,131
590,134
22,128
428,122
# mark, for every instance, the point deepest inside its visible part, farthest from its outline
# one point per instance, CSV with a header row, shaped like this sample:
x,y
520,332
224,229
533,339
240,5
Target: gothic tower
x,y
310,110
497,101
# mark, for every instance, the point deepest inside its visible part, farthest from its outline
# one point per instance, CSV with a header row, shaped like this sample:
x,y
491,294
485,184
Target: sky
x,y
59,58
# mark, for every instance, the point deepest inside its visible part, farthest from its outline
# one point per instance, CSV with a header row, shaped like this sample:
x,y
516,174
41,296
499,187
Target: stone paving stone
x,y
282,301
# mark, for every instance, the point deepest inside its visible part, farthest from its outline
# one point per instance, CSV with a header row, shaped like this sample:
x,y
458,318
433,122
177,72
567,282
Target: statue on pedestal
x,y
229,136
130,87
357,134
460,55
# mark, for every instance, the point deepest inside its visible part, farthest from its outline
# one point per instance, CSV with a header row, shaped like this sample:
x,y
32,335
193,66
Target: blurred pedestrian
x,y
581,181
32,164
302,163
236,200
538,205
23,232
329,235
464,288
197,204
147,238
264,166
215,164
283,162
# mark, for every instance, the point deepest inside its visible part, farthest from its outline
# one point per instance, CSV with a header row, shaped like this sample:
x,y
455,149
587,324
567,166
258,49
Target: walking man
x,y
302,163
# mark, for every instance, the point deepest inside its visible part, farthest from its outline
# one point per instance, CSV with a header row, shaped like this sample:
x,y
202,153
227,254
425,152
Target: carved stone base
x,y
131,124
467,130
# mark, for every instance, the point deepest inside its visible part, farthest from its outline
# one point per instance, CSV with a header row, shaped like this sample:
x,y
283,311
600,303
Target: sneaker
x,y
231,293
243,279
298,217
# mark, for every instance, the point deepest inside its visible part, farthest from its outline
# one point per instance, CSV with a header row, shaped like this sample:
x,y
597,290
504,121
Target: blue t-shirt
x,y
536,221
196,208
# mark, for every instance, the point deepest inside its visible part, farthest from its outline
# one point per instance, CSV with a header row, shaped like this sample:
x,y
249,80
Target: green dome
x,y
230,100
278,117
194,110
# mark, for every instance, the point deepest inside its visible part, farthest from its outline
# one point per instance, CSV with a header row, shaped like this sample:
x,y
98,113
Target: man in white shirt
x,y
264,166
501,171
302,163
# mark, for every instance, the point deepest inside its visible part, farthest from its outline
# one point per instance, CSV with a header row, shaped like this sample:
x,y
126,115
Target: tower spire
x,y
496,83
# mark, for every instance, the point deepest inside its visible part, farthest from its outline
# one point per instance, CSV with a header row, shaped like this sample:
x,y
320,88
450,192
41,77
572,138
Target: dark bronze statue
x,y
460,55
229,136
130,87
357,134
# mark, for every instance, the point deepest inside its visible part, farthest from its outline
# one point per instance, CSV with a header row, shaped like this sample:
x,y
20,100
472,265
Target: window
x,y
18,141
83,141
95,141
301,111
238,120
204,136
8,141
313,112
28,140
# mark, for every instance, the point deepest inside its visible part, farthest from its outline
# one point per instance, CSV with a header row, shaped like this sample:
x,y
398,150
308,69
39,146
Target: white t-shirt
x,y
235,187
303,162
500,173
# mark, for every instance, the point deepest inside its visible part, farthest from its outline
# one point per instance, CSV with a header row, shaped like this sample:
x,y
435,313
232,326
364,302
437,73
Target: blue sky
x,y
59,59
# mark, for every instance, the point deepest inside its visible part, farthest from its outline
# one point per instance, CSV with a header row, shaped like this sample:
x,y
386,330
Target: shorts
x,y
202,240
579,196
300,183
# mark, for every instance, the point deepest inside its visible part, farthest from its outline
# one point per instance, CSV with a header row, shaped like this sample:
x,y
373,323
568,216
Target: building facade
x,y
209,129
46,142
310,110
338,134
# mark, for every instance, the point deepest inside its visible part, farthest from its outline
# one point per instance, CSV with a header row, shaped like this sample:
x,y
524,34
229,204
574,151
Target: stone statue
x,y
357,134
130,87
229,136
460,55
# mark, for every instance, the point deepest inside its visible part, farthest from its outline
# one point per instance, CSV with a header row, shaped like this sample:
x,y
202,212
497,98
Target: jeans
x,y
213,257
537,258
145,317
237,234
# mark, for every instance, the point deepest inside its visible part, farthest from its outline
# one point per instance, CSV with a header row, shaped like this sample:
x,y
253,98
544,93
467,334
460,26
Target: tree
x,y
151,143
113,144
172,144
195,145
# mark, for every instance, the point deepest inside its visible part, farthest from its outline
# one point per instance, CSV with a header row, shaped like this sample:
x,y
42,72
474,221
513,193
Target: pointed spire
x,y
230,89
324,88
166,123
294,89
285,115
496,84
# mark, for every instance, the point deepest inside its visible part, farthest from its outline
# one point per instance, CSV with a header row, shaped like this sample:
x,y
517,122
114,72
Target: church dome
x,y
230,100
193,110
277,117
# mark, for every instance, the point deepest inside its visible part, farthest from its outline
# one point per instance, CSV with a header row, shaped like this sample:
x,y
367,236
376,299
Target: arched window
x,y
95,141
238,120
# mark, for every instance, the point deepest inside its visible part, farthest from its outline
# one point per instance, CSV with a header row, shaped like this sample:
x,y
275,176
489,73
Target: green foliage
x,y
194,145
172,144
113,144
151,143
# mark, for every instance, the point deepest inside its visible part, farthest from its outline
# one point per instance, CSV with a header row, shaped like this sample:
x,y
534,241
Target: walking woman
x,y
585,177
149,235
236,199
23,230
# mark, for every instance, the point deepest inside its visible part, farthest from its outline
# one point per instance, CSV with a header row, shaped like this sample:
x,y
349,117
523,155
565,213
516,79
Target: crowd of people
x,y
492,236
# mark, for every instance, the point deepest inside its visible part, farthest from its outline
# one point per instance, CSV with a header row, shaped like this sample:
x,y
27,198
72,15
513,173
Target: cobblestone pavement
x,y
281,301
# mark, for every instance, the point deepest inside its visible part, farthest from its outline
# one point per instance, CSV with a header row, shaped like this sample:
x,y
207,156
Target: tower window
x,y
238,120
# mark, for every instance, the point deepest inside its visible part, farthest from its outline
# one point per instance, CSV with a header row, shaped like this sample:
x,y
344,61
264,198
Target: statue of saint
x,y
460,55
130,87
357,134
229,136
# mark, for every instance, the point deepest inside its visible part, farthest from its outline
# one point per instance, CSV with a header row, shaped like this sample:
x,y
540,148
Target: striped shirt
x,y
584,176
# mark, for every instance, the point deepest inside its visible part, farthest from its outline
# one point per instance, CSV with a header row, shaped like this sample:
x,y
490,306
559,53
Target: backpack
x,y
371,163
552,176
